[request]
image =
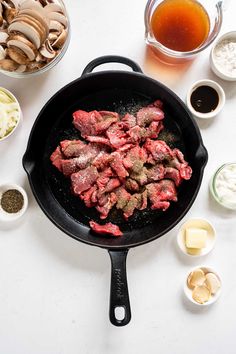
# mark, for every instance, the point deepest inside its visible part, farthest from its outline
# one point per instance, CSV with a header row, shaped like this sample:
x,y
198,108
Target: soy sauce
x,y
181,25
204,99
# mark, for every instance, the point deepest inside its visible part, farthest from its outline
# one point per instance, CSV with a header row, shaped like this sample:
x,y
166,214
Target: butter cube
x,y
195,238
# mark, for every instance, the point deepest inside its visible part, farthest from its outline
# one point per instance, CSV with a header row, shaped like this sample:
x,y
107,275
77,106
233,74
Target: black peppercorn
x,y
12,201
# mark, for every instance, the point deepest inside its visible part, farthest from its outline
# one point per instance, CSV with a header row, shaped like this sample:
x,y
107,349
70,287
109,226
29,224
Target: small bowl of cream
x,y
223,185
223,56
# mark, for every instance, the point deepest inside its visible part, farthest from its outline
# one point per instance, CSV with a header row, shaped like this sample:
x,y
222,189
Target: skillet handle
x,y
111,59
119,295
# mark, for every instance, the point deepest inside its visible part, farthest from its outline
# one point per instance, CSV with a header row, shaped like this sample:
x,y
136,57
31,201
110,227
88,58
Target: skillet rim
x,y
204,156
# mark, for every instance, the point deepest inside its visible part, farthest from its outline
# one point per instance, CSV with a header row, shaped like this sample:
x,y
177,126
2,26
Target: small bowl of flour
x,y
223,56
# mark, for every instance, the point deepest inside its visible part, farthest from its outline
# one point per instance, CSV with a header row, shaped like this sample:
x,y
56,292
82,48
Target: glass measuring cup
x,y
214,12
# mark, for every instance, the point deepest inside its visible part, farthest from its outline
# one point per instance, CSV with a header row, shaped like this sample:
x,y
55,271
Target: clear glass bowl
x,y
214,11
54,61
223,200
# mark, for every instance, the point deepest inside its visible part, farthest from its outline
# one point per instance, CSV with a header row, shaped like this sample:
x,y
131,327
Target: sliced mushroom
x,y
26,29
55,26
47,51
10,14
35,24
8,65
53,7
31,4
24,44
3,37
18,55
12,3
38,16
1,18
21,69
40,58
34,66
52,37
2,53
59,42
56,16
43,2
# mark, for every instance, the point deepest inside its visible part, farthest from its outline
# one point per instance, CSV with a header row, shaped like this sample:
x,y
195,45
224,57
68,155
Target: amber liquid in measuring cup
x,y
180,25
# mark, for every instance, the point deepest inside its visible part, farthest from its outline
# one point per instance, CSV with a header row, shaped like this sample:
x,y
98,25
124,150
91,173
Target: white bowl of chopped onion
x,y
223,56
10,113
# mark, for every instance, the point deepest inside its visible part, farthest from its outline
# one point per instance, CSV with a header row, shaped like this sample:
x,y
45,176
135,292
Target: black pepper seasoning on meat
x,y
12,201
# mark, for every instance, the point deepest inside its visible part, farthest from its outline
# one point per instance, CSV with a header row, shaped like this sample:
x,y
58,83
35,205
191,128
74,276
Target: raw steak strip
x,y
84,179
161,193
108,228
147,115
56,158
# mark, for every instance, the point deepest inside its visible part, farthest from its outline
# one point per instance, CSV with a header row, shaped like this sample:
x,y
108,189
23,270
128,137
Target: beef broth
x,y
181,25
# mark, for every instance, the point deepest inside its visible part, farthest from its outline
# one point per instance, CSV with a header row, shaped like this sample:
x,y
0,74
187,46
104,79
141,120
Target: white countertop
x,y
54,291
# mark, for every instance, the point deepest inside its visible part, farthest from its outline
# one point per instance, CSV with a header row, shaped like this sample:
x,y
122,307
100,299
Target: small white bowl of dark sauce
x,y
205,99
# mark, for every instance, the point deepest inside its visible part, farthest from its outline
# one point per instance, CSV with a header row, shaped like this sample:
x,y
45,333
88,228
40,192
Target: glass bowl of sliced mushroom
x,y
34,36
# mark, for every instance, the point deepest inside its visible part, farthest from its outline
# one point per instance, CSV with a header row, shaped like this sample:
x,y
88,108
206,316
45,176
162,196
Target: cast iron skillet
x,y
116,91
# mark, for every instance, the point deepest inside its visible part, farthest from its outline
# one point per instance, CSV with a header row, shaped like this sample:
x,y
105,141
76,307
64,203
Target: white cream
x,y
225,185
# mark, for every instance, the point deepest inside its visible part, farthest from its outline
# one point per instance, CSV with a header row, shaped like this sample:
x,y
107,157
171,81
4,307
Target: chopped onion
x,y
9,114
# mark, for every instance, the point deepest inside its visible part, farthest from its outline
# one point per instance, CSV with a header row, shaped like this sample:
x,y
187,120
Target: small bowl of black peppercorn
x,y
13,202
205,99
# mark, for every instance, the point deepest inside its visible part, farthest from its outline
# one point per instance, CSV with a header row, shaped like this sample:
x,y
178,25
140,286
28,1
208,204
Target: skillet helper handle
x,y
111,59
119,295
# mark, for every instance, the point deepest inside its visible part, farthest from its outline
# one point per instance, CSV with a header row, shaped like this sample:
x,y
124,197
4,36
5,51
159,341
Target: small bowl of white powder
x,y
223,56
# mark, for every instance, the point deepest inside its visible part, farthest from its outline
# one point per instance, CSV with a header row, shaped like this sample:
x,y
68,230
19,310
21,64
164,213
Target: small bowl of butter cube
x,y
196,237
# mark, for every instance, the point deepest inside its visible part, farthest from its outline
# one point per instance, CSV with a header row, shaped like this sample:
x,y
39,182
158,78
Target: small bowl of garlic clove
x,y
202,286
196,237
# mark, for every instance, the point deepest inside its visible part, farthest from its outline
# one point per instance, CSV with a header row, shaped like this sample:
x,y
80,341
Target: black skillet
x,y
116,91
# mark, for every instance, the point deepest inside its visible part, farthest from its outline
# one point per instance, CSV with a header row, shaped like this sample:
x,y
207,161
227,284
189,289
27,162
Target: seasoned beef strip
x,y
121,163
108,228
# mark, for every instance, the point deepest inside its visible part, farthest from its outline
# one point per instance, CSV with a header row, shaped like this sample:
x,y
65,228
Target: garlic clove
x,y
201,294
212,283
196,278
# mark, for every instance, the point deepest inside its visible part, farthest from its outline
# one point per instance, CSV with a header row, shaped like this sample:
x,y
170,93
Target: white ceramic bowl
x,y
220,197
188,291
19,109
201,224
219,91
220,70
9,217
